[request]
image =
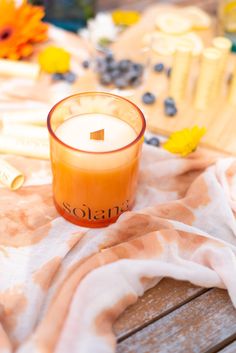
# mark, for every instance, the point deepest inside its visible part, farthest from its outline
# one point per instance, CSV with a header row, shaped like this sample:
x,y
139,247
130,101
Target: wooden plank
x,y
200,326
231,348
218,118
155,303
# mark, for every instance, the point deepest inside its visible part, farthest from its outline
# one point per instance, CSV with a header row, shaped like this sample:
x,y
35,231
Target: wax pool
x,y
95,183
75,132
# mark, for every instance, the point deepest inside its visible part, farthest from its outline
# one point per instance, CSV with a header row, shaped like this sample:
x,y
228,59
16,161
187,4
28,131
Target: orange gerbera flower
x,y
20,28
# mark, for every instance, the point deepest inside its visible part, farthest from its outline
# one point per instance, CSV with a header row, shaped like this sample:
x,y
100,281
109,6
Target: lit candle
x,y
95,157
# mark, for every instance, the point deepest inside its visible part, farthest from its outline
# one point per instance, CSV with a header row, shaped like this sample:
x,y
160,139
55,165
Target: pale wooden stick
x,y
207,78
10,176
24,130
224,45
24,146
28,116
232,89
180,71
19,69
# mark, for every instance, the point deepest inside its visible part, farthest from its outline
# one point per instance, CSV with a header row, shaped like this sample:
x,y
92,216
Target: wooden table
x,y
176,316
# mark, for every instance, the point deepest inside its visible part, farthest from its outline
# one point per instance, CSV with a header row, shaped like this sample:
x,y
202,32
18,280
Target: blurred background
x,y
72,14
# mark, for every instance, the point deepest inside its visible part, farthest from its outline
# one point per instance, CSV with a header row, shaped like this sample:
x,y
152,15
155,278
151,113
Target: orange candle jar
x,y
95,142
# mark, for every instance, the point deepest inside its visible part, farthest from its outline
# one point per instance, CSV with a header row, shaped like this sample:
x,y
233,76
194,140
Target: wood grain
x,y
155,303
231,348
201,326
218,118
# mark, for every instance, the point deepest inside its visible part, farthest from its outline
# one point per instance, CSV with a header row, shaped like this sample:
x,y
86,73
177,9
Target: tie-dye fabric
x,y
63,286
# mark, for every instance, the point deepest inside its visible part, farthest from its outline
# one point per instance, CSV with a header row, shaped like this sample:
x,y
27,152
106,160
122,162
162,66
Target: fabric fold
x,y
64,286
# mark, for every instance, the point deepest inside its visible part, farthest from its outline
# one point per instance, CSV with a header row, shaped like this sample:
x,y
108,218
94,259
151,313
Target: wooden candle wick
x,y
97,135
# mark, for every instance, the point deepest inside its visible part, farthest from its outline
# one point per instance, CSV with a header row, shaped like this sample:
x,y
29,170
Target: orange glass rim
x,y
54,136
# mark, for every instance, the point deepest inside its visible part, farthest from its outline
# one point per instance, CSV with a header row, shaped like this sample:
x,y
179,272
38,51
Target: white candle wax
x,y
75,132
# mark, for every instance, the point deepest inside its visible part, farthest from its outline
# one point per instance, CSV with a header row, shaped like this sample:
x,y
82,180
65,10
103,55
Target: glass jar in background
x,y
227,20
68,14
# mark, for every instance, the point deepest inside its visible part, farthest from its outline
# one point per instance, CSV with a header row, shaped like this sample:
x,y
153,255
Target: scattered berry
x,y
159,67
168,71
148,98
120,82
70,77
57,76
170,110
105,79
121,73
136,82
169,101
138,68
85,64
101,65
131,75
109,57
124,65
111,65
115,73
154,141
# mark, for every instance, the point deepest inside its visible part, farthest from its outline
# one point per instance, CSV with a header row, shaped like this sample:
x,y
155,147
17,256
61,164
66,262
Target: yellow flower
x,y
53,59
185,141
125,18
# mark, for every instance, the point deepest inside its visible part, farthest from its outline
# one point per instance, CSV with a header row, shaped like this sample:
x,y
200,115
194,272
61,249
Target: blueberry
x,y
124,64
159,67
136,82
148,98
115,73
131,75
154,141
120,82
109,57
138,68
112,65
85,64
170,110
105,79
70,77
169,101
101,65
57,76
168,71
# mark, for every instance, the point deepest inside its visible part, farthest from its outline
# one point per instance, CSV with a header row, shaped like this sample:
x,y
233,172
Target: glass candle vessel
x,y
95,143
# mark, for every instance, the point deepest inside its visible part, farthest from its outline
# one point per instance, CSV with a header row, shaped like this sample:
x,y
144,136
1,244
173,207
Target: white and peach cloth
x,y
62,286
